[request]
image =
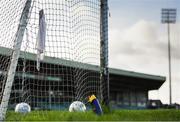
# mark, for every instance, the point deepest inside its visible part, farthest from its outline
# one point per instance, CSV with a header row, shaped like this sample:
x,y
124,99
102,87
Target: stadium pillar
x,y
104,71
14,60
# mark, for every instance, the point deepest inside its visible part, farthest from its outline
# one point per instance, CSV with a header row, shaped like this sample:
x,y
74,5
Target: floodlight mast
x,y
169,17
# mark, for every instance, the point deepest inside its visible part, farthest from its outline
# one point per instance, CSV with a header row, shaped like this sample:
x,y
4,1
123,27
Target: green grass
x,y
118,115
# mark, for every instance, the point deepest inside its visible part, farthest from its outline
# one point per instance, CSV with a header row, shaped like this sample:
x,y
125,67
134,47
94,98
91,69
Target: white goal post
x,y
14,60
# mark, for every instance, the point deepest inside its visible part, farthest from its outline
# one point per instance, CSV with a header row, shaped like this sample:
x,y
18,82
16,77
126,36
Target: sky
x,y
138,42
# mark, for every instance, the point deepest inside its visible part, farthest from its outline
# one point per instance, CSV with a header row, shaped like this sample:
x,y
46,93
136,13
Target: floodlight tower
x,y
169,17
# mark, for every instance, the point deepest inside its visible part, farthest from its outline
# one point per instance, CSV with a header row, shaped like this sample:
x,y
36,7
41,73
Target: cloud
x,y
132,42
143,39
134,39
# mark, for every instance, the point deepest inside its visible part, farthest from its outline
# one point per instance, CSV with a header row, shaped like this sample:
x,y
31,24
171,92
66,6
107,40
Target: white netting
x,y
70,68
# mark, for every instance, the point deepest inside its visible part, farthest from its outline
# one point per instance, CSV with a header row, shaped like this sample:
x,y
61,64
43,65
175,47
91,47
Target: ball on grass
x,y
77,106
22,108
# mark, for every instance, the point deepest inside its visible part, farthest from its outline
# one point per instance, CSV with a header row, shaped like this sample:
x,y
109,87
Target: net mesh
x,y
70,68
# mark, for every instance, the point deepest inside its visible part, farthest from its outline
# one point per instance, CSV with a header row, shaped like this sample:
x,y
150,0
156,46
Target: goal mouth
x,y
51,52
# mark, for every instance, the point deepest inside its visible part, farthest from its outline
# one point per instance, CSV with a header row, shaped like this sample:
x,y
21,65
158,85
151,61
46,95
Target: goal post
x,y
104,71
14,60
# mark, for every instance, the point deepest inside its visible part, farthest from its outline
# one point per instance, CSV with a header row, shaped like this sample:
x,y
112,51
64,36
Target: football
x,y
77,106
22,108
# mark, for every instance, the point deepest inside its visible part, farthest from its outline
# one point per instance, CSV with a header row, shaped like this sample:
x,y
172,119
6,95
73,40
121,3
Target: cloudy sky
x,y
138,41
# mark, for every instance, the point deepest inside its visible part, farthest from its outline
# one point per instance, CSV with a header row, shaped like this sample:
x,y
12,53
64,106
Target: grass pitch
x,y
118,115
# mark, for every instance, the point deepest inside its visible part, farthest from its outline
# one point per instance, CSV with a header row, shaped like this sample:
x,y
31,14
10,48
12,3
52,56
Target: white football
x,y
22,108
77,106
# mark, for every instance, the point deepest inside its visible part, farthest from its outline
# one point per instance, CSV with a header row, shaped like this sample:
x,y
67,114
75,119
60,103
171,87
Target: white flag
x,y
41,38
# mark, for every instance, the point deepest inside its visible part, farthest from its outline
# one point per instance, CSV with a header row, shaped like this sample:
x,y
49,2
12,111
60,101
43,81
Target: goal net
x,y
59,57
